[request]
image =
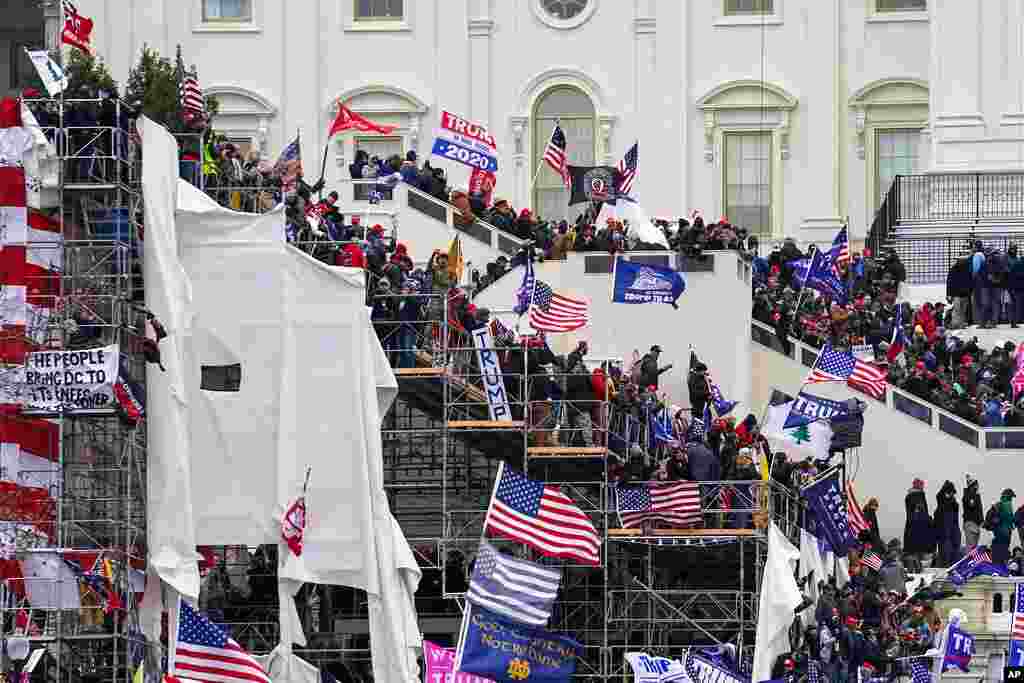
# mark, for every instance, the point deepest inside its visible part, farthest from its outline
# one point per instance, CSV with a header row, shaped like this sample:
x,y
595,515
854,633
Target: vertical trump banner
x,y
490,369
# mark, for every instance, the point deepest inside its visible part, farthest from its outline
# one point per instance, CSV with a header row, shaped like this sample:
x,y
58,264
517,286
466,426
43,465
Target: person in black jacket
x,y
959,288
649,370
579,395
973,512
698,386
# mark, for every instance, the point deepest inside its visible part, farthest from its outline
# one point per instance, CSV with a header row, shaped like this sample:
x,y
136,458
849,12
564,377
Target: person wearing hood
x,y
697,384
947,525
1004,528
460,199
973,513
871,517
918,534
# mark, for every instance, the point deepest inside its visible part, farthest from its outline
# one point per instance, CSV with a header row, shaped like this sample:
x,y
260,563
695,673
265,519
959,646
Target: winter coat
x,y
918,534
649,371
871,517
1015,281
947,516
959,281
1004,528
577,382
465,213
893,575
698,386
972,507
704,465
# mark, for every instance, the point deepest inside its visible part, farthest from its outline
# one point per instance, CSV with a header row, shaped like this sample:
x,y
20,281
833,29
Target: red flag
x,y
77,29
293,525
349,120
483,182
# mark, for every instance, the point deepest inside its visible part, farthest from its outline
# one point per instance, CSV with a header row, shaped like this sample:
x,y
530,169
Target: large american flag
x,y
554,155
205,653
627,169
675,502
854,514
838,366
192,96
872,559
1017,630
554,312
289,165
542,517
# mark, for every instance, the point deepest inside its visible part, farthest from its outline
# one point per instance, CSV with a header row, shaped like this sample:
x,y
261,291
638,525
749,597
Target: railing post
x,y
977,196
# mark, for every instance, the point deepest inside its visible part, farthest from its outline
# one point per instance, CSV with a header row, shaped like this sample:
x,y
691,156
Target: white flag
x,y
49,582
813,439
49,71
640,224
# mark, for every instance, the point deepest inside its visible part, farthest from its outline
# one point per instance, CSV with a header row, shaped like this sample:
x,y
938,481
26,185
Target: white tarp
x,y
171,528
315,384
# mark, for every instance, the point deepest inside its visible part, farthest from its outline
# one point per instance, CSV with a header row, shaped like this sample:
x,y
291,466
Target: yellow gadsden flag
x,y
455,262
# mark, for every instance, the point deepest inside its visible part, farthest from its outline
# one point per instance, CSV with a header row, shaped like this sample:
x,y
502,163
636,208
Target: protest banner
x,y
959,649
702,670
640,283
510,652
439,665
466,142
69,380
490,368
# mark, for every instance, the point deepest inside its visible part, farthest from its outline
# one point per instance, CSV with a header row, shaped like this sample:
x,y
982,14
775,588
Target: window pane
x,y
747,7
575,113
748,181
902,5
379,9
220,377
898,153
380,147
227,10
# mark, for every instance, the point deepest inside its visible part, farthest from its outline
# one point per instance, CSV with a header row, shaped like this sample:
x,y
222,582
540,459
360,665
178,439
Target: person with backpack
x,y
579,397
697,383
997,270
999,521
979,281
973,513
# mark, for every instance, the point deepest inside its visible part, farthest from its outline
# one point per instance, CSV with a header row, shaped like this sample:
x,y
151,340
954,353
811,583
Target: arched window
x,y
997,603
574,111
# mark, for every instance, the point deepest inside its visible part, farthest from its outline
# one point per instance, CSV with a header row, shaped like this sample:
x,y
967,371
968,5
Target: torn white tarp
x,y
283,372
170,525
779,597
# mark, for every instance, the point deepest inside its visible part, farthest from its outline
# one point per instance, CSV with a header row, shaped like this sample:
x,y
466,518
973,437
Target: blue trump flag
x,y
510,652
722,406
641,283
959,650
978,562
820,272
825,500
808,408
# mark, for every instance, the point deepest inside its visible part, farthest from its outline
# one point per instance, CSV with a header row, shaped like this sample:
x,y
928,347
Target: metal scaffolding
x,y
93,300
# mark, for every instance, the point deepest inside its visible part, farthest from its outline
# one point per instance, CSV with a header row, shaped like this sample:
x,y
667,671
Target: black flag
x,y
593,184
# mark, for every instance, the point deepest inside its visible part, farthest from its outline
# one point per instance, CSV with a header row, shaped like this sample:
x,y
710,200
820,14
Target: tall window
x,y
901,5
227,10
575,113
741,8
748,192
378,10
898,152
380,147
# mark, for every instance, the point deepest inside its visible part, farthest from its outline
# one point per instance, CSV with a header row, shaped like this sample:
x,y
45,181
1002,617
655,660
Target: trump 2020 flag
x,y
509,652
819,272
517,589
977,562
640,283
825,499
959,649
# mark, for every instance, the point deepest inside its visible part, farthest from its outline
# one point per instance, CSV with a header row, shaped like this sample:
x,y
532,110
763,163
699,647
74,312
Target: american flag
x,y
627,169
205,653
518,589
841,248
965,568
289,165
501,333
920,670
554,155
813,671
872,559
1017,631
553,312
854,514
676,502
695,432
838,366
542,517
191,96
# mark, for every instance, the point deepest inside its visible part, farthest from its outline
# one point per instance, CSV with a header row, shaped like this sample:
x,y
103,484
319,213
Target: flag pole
x,y
323,168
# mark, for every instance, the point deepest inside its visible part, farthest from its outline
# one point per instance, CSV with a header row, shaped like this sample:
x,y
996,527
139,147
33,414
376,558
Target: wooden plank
x,y
419,372
566,451
484,424
698,533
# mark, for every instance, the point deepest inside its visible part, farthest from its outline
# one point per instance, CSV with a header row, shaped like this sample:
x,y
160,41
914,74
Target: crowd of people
x,y
926,359
871,624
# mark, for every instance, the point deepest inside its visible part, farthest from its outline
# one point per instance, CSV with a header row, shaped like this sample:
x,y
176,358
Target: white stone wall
x,y
674,74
